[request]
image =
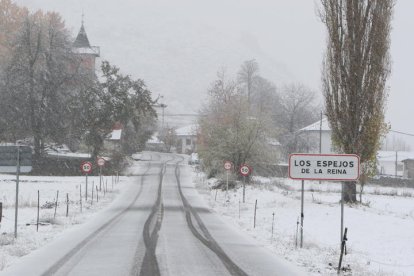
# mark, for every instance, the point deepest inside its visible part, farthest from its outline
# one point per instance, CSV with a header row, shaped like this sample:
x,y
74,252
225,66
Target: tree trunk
x,y
350,192
362,181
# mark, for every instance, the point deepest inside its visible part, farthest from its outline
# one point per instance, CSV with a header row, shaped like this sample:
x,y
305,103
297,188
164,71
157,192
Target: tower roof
x,y
81,40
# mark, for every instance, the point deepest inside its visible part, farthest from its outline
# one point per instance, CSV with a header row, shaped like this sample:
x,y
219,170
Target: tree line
x,y
248,119
242,114
47,97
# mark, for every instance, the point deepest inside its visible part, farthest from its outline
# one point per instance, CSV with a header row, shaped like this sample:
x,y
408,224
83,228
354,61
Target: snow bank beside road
x,y
28,238
380,234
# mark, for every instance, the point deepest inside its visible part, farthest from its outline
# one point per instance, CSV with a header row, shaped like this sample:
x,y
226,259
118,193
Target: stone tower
x,y
85,51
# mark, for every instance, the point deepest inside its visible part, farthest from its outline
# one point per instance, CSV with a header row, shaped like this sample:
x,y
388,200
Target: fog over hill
x,y
178,47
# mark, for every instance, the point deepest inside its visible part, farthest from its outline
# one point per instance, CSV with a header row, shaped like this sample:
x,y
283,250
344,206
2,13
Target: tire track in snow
x,y
149,265
55,267
205,237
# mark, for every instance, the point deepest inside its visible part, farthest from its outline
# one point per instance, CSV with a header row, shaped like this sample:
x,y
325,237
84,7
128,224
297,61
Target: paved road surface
x,y
159,226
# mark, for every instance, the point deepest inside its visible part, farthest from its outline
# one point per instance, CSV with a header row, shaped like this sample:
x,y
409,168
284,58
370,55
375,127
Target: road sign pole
x,y
301,214
244,188
227,184
244,170
100,178
17,192
342,212
227,166
332,167
86,168
86,185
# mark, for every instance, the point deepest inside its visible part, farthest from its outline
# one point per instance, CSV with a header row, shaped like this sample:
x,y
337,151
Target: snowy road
x,y
159,226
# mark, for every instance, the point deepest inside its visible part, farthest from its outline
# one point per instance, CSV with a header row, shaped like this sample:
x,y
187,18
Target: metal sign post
x,y
86,187
332,167
227,184
301,213
245,170
244,188
101,162
100,178
86,168
227,166
17,192
342,211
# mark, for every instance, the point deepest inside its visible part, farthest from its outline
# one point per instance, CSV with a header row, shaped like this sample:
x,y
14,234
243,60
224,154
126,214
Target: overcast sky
x,y
176,46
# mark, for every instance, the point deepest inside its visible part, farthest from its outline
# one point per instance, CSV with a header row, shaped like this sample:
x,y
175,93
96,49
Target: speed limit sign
x,y
228,165
101,162
86,167
245,170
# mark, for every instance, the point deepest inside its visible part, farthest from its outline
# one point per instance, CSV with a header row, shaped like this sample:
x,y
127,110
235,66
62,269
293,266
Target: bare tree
x,y
355,71
265,98
296,108
36,80
228,132
247,76
11,19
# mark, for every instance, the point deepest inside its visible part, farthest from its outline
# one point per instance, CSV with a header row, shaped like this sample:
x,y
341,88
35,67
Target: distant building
x,y
87,53
187,137
310,136
389,163
155,144
114,138
408,168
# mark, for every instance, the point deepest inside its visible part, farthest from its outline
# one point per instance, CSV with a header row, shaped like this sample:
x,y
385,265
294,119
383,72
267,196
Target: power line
x,y
183,115
403,133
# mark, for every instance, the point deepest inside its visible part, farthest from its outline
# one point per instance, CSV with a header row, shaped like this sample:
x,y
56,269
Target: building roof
x,y
81,40
272,142
390,156
154,139
115,134
190,130
316,126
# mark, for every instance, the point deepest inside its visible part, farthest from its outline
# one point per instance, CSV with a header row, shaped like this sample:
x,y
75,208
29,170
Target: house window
x,y
188,142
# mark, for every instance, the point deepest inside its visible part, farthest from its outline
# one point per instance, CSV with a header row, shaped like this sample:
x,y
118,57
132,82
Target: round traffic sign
x,y
101,162
245,170
228,165
86,167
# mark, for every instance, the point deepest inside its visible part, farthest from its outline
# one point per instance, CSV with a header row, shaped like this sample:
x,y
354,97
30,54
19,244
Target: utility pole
x,y
163,106
320,136
396,163
17,192
320,139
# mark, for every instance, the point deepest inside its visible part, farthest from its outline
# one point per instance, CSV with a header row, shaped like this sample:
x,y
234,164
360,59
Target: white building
x,y
154,143
315,135
187,137
388,162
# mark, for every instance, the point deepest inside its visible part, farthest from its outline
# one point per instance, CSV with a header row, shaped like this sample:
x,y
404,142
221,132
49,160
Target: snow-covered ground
x,y
51,226
380,232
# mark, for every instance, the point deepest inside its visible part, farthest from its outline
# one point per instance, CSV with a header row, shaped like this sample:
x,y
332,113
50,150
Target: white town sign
x,y
334,167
